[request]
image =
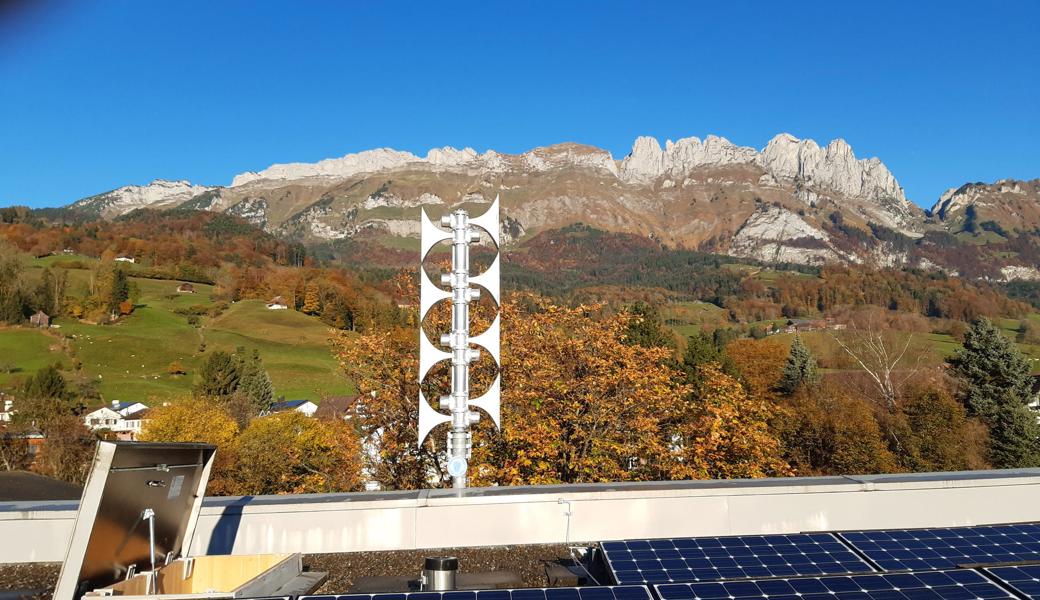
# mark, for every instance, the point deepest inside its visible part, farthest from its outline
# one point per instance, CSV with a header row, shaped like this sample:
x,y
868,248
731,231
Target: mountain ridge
x,y
793,200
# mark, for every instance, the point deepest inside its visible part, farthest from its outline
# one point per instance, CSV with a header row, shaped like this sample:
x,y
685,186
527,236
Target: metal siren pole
x,y
462,233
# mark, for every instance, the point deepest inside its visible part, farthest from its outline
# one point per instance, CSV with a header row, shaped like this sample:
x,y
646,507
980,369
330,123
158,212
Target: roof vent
x,y
439,573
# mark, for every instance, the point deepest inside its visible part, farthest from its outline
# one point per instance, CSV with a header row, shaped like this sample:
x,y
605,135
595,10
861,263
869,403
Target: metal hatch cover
x,y
111,534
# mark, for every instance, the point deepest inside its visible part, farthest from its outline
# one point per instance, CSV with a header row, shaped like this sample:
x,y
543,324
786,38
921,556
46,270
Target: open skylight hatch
x,y
135,525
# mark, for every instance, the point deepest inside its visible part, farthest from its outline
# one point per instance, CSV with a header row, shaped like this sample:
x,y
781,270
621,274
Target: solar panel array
x,y
1023,579
945,548
624,592
932,585
733,557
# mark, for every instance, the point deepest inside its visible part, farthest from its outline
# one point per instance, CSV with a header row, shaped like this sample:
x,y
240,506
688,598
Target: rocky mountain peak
x,y
159,193
368,161
569,154
1011,203
834,167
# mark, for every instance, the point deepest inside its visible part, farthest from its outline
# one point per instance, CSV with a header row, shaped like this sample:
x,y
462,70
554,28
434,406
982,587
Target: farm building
x,y
40,319
186,288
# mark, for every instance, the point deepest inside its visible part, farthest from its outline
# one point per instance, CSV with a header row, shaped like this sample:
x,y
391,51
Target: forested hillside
x,y
623,358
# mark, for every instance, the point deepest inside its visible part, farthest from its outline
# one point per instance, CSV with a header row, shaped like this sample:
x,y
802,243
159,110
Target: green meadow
x,y
130,360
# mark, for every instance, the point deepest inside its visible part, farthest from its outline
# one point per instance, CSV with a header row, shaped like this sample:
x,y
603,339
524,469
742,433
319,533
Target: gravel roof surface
x,y
528,562
346,568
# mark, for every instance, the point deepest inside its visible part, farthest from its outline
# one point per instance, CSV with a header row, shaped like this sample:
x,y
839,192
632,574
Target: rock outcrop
x,y
157,194
792,201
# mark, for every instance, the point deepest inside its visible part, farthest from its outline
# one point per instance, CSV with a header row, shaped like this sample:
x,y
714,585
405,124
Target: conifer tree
x,y
992,370
995,386
219,376
646,328
800,369
1014,437
256,384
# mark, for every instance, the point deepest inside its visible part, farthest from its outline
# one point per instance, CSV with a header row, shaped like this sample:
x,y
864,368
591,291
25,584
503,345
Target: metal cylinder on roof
x,y
439,573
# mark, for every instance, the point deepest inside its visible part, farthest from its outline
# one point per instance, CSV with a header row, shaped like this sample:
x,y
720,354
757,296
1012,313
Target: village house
x,y
803,325
1034,399
40,319
124,419
335,407
305,407
277,303
7,412
186,288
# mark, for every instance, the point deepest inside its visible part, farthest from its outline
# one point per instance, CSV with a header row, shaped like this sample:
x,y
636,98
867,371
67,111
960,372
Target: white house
x,y
128,408
128,259
277,303
124,419
8,410
306,407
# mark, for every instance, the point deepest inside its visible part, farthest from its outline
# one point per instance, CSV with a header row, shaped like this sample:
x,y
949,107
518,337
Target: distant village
x,y
124,420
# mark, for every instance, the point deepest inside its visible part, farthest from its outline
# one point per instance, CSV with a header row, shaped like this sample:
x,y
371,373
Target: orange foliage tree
x,y
578,405
760,363
829,431
726,434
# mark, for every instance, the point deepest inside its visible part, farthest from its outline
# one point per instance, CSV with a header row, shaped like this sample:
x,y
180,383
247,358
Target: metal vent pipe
x,y
439,573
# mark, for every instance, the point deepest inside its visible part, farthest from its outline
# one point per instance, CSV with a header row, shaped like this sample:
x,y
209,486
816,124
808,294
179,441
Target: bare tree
x,y
884,355
14,450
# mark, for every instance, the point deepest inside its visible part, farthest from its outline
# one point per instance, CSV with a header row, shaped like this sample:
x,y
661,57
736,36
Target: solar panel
x,y
621,592
944,548
734,557
962,584
1024,579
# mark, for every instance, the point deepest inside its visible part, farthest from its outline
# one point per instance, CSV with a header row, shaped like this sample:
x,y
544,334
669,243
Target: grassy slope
x,y
689,318
129,360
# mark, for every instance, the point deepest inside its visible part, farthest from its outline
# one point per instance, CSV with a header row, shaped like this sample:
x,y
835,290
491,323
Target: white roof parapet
x,y
370,521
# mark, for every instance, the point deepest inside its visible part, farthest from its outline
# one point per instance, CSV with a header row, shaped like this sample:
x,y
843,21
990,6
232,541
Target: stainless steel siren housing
x,y
462,231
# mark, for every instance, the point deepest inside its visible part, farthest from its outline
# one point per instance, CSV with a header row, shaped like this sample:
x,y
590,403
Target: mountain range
x,y
793,201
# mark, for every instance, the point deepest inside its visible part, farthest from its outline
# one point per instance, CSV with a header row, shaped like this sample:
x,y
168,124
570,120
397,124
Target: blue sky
x,y
99,94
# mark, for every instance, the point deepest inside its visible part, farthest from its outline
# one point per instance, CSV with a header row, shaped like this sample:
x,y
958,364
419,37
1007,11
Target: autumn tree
x,y
49,295
760,364
800,369
14,447
728,435
829,431
938,435
579,405
67,449
112,286
14,299
311,299
289,453
384,366
198,419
